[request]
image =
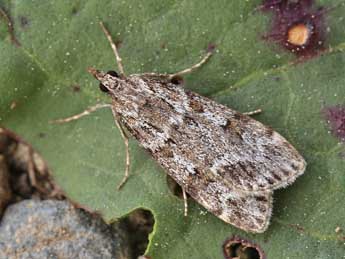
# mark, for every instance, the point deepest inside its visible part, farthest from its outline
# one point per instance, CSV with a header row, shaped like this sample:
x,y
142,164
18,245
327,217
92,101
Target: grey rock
x,y
55,229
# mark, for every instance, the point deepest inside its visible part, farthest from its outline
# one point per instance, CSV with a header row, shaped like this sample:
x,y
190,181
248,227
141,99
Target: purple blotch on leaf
x,y
211,47
335,117
24,21
297,25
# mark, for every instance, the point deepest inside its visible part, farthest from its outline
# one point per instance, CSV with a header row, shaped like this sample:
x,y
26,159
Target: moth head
x,y
107,81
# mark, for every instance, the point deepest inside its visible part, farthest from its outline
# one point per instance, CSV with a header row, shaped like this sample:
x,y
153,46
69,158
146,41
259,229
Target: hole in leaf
x,y
139,224
29,175
239,248
23,172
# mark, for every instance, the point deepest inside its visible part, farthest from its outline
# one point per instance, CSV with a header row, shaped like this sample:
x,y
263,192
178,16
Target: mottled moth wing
x,y
250,212
227,161
247,154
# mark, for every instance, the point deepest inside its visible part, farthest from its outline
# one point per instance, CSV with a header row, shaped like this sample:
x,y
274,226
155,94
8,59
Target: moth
x,y
225,160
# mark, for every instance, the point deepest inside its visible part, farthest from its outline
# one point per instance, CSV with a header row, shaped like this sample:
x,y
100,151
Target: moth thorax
x,y
110,81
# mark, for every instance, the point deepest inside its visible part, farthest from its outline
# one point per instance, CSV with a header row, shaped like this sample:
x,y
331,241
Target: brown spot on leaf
x,y
211,47
74,10
139,224
118,43
298,26
240,248
163,45
24,22
41,135
76,88
5,17
297,227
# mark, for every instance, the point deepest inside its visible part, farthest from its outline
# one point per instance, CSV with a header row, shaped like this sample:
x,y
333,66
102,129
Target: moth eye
x,y
112,73
103,88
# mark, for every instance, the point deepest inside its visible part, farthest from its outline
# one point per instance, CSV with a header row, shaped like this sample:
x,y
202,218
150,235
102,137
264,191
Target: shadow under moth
x,y
225,160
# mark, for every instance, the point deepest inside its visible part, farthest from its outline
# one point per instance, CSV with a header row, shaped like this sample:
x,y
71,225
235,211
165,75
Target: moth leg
x,y
82,114
192,68
31,171
125,139
253,112
115,50
185,201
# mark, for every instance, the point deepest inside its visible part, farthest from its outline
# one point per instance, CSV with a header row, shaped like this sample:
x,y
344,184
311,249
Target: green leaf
x,y
60,39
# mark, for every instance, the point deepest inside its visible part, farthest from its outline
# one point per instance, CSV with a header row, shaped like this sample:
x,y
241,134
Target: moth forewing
x,y
250,212
249,155
227,161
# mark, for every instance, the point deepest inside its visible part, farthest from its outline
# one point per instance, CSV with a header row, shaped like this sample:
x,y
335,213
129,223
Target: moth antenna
x,y
192,68
125,139
82,114
115,50
253,112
